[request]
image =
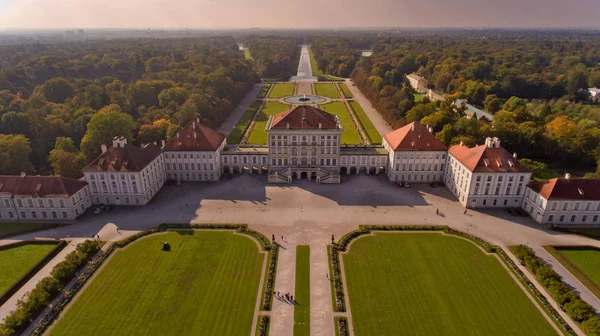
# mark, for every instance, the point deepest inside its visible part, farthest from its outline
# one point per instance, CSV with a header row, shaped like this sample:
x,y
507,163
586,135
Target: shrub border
x,y
59,246
344,241
554,250
55,311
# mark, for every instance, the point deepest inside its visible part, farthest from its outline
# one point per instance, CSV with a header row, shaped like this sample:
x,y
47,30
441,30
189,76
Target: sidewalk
x,y
282,314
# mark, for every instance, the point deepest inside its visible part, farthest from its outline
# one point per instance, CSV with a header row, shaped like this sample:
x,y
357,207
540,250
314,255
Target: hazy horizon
x,y
311,14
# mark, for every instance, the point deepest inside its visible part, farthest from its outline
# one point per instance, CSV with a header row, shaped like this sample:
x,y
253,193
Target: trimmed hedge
x,y
344,242
95,265
579,310
32,271
46,290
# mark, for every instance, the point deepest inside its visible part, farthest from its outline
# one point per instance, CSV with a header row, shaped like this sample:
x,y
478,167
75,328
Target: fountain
x,y
304,99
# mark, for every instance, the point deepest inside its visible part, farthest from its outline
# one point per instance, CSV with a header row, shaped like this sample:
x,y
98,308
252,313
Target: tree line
x,y
275,57
61,102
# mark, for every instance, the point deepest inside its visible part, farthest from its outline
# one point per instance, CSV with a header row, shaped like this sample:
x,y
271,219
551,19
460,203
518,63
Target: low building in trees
x,y
418,83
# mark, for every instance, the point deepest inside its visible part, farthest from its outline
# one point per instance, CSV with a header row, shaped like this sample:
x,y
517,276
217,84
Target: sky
x,y
218,14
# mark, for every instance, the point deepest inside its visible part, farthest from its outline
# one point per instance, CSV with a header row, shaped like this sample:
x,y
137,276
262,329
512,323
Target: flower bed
x,y
263,326
342,326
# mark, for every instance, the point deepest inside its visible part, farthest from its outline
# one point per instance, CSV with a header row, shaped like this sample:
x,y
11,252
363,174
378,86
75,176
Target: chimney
x,y
103,148
193,125
489,142
194,135
119,141
515,155
178,135
287,125
430,129
496,142
320,125
198,120
162,143
23,174
412,128
567,176
461,143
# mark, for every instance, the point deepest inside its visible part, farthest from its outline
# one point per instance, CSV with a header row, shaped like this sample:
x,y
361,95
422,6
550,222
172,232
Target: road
x,y
304,70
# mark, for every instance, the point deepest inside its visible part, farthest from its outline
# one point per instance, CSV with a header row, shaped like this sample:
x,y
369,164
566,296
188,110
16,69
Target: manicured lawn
x,y
238,131
206,285
345,90
349,134
315,68
302,291
587,261
263,91
16,261
282,90
431,284
258,136
372,132
327,90
418,97
14,229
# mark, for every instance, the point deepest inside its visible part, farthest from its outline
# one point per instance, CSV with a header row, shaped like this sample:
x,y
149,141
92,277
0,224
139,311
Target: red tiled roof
x,y
486,159
572,188
304,117
125,158
39,186
414,137
195,137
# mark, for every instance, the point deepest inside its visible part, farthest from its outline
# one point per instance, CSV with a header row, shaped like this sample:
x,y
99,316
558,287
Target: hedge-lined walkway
x,y
11,303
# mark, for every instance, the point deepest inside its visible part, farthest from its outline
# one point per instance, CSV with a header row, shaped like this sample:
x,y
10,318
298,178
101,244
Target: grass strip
x,y
579,264
302,291
237,134
366,122
345,90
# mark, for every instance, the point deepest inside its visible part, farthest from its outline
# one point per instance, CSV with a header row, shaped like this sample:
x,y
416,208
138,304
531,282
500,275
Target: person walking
x,y
464,213
437,211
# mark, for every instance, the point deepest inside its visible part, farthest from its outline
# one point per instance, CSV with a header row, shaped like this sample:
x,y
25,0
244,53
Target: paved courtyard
x,y
309,213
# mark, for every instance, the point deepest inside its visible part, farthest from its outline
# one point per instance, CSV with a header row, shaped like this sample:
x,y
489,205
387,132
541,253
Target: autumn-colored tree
x,y
65,160
14,154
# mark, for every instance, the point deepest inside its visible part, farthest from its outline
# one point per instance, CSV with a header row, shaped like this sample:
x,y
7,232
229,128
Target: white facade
x,y
194,165
557,209
474,189
415,166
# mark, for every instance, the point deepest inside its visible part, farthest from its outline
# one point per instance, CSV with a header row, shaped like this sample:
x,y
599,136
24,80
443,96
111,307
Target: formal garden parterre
x,y
445,274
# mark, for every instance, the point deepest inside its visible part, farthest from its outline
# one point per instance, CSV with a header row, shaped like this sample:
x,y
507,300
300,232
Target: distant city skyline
x,y
239,14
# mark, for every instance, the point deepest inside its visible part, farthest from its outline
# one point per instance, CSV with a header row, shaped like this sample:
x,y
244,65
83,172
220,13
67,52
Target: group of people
x,y
287,297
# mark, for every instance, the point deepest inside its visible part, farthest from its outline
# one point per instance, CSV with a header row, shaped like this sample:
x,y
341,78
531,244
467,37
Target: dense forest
x,y
274,57
60,102
535,87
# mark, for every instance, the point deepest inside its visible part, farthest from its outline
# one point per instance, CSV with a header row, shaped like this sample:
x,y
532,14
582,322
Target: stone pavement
x,y
305,212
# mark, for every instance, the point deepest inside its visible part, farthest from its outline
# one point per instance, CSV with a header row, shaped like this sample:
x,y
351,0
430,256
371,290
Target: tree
x,y
492,104
103,127
155,132
514,103
65,160
14,154
57,90
591,326
15,123
539,169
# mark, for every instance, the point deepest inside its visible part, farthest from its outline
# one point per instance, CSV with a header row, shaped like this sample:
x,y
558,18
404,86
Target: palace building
x,y
486,176
303,143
